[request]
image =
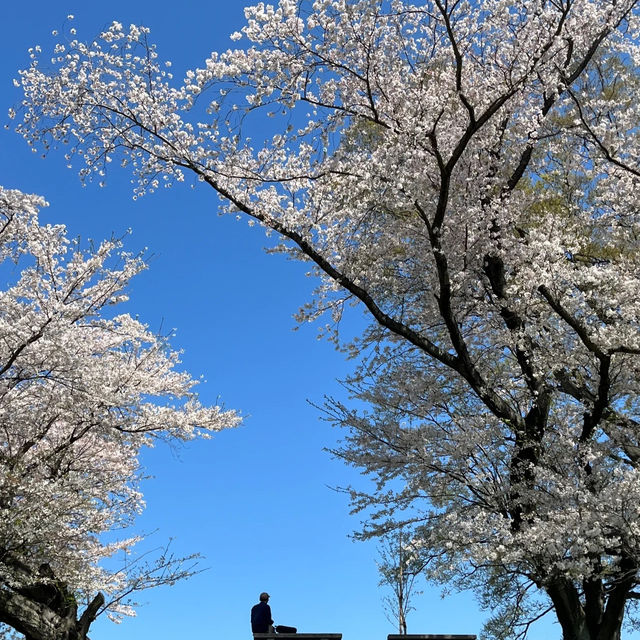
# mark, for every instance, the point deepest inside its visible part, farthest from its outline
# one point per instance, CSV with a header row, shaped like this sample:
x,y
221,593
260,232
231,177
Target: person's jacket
x,y
261,618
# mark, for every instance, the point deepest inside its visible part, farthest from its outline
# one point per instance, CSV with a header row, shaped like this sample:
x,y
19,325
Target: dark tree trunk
x,y
599,617
46,609
569,611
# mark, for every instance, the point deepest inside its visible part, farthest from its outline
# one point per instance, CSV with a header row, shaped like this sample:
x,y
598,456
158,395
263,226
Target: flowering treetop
x,y
469,172
81,391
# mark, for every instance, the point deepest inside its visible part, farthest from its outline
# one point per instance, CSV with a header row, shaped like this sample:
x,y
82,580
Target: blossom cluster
x,y
467,171
81,391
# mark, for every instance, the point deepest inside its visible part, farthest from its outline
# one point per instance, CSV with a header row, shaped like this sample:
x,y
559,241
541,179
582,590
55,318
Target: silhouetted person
x,y
261,615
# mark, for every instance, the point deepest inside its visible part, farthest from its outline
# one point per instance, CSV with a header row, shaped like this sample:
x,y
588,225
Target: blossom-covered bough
x,y
81,391
469,172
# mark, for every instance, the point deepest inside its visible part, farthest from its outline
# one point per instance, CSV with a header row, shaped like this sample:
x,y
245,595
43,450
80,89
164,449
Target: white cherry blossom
x,y
469,172
82,390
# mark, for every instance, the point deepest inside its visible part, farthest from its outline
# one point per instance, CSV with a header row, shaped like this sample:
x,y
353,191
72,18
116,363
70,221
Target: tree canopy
x,y
468,172
82,389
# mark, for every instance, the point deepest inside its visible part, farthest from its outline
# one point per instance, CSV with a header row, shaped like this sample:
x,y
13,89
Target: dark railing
x,y
338,636
431,636
297,636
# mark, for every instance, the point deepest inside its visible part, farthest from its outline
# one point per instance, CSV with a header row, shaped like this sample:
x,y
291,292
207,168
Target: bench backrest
x,y
297,636
430,636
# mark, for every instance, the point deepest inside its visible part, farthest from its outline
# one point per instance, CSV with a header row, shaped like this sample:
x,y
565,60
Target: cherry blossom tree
x,y
81,391
468,172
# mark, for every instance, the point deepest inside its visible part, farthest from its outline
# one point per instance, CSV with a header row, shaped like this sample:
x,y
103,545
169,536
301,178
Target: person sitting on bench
x,y
261,615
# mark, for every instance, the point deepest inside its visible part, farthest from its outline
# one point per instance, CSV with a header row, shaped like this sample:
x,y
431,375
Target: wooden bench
x,y
431,636
297,636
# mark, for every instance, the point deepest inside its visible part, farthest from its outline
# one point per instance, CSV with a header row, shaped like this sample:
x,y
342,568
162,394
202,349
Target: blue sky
x,y
256,501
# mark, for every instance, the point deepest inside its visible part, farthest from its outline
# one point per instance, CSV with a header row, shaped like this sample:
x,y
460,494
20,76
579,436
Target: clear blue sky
x,y
256,500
